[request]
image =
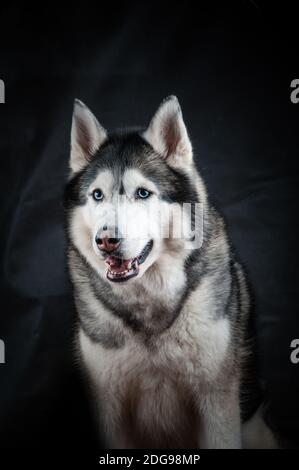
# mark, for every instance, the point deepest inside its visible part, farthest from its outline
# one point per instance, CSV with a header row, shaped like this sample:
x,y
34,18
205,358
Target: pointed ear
x,y
167,134
87,135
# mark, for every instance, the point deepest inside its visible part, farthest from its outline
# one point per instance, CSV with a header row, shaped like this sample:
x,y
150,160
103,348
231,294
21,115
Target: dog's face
x,y
126,191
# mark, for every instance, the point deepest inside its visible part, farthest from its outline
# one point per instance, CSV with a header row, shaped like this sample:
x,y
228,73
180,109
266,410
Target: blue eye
x,y
97,195
142,193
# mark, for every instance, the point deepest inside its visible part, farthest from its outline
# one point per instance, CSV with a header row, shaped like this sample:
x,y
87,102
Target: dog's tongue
x,y
118,264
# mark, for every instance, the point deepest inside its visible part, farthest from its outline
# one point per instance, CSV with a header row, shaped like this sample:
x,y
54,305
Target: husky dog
x,y
161,317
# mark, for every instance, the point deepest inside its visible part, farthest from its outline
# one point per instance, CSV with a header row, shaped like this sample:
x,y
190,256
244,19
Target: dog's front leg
x,y
220,423
113,431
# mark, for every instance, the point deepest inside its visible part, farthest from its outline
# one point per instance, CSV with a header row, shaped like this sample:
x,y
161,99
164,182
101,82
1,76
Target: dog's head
x,y
126,191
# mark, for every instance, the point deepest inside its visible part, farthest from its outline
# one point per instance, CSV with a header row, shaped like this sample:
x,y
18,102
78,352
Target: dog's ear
x,y
167,134
87,135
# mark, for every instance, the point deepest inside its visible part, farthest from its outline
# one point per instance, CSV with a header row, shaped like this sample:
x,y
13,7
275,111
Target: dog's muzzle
x,y
120,270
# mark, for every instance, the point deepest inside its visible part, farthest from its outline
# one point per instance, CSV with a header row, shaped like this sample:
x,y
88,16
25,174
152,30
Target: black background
x,y
230,66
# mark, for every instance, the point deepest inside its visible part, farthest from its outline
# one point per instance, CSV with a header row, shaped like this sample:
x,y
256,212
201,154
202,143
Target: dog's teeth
x,y
116,273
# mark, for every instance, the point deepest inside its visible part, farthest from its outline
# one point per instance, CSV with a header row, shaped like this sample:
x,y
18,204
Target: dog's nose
x,y
107,244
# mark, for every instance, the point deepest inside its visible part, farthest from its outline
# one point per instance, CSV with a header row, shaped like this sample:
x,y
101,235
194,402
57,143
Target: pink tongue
x,y
117,264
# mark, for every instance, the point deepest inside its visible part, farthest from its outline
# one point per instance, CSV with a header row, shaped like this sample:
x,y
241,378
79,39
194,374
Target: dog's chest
x,y
151,389
158,410
157,382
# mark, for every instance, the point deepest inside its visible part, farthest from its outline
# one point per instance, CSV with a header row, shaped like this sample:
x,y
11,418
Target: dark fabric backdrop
x,y
231,67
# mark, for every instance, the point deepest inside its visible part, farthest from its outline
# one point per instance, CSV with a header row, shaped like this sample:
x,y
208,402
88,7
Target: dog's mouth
x,y
120,269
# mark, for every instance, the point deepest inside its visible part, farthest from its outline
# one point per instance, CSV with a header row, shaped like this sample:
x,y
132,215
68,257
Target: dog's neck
x,y
163,281
149,304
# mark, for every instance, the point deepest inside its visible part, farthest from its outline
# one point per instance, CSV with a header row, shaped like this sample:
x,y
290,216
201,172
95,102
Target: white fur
x,y
140,220
186,358
189,356
178,383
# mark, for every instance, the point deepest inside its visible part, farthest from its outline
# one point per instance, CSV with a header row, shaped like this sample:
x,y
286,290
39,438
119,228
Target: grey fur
x,y
183,350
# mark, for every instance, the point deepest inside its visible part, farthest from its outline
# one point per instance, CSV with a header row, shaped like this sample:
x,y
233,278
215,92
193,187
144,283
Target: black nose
x,y
107,244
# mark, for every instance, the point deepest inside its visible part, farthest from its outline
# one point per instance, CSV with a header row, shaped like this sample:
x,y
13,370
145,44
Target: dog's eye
x,y
142,193
97,195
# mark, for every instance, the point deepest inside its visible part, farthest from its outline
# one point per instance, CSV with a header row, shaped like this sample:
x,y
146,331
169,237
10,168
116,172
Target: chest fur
x,y
192,350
